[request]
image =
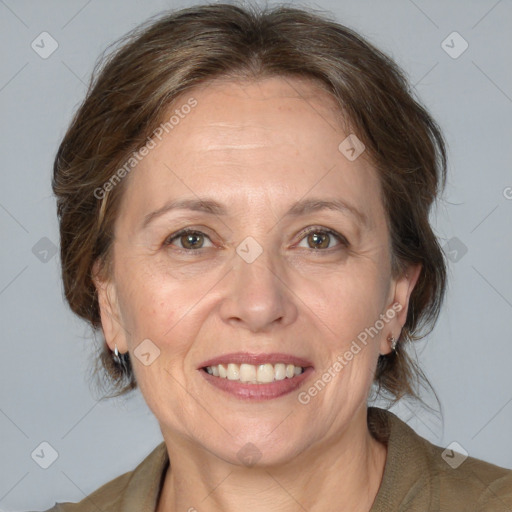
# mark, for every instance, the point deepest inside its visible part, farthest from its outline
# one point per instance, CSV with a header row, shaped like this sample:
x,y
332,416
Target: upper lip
x,y
255,359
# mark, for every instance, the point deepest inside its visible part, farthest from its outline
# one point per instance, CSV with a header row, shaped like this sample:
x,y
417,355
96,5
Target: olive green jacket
x,y
419,476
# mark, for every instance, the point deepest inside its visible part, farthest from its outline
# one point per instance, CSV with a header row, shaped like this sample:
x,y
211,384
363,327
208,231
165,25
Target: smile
x,y
255,374
256,377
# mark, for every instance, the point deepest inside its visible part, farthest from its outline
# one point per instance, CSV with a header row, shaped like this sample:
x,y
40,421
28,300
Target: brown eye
x,y
188,240
191,240
318,240
322,238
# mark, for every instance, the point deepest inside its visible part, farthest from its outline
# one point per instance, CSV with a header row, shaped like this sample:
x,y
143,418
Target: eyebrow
x,y
302,207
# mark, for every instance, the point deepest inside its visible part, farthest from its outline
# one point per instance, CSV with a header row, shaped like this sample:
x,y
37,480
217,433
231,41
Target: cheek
x,y
155,303
345,309
161,311
170,313
349,300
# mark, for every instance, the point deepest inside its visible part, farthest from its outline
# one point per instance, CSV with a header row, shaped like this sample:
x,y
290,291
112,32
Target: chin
x,y
258,454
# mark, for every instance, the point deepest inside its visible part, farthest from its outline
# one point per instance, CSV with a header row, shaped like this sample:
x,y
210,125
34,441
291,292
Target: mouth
x,y
256,376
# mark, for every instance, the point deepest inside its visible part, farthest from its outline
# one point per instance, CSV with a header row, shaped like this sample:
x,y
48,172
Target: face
x,y
264,279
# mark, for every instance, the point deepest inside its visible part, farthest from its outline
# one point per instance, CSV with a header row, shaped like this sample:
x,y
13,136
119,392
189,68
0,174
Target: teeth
x,y
233,371
247,372
280,371
265,373
254,374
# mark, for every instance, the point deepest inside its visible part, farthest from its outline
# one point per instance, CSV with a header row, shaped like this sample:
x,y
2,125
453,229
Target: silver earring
x,y
393,341
117,359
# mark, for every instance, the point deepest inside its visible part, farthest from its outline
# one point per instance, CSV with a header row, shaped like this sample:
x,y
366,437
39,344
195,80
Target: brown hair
x,y
132,88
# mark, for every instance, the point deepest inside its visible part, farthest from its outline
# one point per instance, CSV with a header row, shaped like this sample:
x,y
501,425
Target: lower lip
x,y
267,391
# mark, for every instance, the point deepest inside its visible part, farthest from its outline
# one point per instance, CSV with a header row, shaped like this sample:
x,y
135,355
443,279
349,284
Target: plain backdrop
x,y
44,394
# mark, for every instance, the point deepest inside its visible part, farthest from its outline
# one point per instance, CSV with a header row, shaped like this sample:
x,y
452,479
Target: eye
x,y
193,240
320,238
189,239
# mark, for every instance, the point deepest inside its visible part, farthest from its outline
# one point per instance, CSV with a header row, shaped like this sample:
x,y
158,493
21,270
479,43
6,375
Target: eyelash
x,y
343,241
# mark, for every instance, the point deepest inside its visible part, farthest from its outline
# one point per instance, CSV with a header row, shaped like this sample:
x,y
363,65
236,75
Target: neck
x,y
344,474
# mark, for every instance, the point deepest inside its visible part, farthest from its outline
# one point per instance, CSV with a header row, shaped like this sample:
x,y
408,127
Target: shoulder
x,y
105,498
467,479
139,488
424,476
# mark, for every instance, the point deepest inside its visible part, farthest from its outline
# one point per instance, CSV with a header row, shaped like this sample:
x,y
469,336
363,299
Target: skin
x,y
256,147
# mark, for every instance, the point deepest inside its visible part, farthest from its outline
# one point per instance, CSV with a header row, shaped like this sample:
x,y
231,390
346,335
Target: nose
x,y
258,295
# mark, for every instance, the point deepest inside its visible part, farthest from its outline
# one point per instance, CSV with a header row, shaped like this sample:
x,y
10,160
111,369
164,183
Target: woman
x,y
243,200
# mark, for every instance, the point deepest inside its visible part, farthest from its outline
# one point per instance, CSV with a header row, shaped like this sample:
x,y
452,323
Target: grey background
x,y
46,351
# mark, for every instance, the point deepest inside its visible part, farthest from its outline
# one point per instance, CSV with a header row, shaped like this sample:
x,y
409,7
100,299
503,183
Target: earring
x,y
393,341
117,359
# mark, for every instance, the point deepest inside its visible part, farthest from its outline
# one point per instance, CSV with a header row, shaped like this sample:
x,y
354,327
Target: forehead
x,y
274,110
274,141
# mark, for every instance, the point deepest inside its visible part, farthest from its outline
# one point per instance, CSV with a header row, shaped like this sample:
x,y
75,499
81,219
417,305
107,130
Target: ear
x,y
402,288
111,321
